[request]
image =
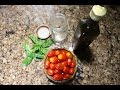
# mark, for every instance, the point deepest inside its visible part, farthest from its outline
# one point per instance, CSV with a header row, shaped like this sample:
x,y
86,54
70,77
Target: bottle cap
x,y
43,32
97,12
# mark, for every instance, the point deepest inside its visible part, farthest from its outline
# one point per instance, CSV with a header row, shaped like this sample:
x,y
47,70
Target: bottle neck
x,y
91,20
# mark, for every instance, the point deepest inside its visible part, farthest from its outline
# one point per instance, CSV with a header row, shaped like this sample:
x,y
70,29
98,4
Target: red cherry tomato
x,y
47,64
64,63
62,57
57,71
50,72
69,61
53,59
69,55
52,66
59,66
59,61
63,52
51,53
57,52
66,76
71,71
73,64
66,69
58,77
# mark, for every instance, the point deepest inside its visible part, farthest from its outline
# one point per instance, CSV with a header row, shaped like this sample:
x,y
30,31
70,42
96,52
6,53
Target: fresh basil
x,y
47,43
27,61
44,50
38,51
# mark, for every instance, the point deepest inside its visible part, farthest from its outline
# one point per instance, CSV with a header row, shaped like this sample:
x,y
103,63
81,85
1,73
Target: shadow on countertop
x,y
85,55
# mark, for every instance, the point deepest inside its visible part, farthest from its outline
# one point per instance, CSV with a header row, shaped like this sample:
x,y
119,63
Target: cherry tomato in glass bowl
x,y
62,57
66,76
51,53
61,65
58,77
53,59
63,51
71,71
73,64
57,71
69,61
47,64
50,72
52,66
69,55
66,69
57,52
64,63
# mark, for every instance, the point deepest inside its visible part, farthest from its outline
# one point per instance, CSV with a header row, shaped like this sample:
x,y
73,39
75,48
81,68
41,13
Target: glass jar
x,y
58,27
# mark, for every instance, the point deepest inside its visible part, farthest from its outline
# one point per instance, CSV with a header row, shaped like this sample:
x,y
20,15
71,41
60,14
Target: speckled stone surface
x,y
17,22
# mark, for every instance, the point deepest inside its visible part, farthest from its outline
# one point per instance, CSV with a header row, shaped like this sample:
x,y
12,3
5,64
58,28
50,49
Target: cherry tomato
x,y
64,63
63,52
62,57
59,61
53,59
51,53
66,76
69,55
71,70
58,77
57,71
47,64
69,61
73,64
52,66
57,52
50,72
66,69
59,66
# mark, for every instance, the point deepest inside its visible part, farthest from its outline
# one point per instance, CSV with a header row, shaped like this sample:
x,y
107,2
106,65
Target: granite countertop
x,y
17,22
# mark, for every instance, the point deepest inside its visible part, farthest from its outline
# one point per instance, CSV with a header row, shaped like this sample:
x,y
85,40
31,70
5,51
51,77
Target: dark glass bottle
x,y
87,31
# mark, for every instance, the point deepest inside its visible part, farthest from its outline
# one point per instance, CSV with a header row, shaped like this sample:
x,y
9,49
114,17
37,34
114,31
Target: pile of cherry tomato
x,y
60,64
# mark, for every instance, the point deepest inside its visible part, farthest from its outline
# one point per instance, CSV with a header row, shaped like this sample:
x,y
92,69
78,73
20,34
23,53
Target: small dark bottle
x,y
88,29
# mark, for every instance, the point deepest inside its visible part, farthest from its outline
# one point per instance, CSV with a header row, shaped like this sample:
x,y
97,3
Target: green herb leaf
x,y
33,38
39,56
38,51
44,50
36,47
28,50
36,40
27,61
47,43
26,47
40,42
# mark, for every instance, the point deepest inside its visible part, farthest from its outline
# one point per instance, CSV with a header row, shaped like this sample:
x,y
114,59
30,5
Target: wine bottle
x,y
88,29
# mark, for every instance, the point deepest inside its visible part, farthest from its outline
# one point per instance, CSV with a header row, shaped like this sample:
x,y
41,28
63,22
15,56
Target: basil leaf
x,y
40,41
38,51
27,61
26,47
47,43
35,47
33,38
28,50
44,50
36,40
38,56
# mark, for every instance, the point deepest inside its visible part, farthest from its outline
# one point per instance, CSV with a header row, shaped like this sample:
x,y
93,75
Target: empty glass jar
x,y
58,27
